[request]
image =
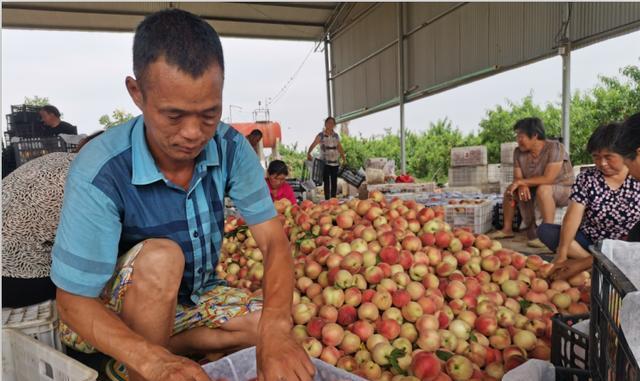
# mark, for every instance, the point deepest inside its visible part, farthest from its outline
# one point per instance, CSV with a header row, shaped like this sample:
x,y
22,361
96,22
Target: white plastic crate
x,y
506,152
26,359
493,173
39,321
506,176
463,176
468,156
476,217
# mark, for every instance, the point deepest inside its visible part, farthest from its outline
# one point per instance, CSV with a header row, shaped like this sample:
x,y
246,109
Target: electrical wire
x,y
287,85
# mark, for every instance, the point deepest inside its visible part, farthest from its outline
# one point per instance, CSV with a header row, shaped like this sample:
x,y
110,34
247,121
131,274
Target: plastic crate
x,y
39,321
464,176
241,366
25,359
476,217
498,218
351,176
569,374
493,173
27,149
610,357
469,156
569,347
506,152
316,168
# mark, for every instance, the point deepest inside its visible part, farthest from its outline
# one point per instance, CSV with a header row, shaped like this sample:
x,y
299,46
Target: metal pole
x,y
327,76
565,51
403,153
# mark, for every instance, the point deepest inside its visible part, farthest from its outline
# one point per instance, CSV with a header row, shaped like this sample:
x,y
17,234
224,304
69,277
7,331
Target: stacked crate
x,y
506,164
468,166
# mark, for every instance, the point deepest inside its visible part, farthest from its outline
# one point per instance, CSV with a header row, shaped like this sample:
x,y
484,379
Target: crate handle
x,y
46,369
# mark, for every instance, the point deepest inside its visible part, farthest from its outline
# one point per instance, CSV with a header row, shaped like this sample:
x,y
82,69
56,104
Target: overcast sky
x,y
83,74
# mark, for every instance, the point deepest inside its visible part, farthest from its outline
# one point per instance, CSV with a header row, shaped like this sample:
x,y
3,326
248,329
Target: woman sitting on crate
x,y
331,150
31,203
277,173
542,179
604,204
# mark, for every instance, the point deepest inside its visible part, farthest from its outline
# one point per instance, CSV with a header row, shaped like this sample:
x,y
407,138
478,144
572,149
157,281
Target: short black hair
x,y
256,133
330,118
182,38
628,139
278,167
531,126
50,109
604,137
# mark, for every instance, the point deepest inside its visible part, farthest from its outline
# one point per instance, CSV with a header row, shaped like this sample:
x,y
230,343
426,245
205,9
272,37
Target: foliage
x,y
294,159
428,152
119,116
36,101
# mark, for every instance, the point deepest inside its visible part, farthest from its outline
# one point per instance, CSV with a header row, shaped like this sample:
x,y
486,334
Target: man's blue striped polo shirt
x,y
115,196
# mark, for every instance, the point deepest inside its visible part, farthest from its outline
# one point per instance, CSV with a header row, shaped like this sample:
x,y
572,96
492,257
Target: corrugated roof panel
x,y
420,12
421,59
474,37
447,48
542,22
590,19
388,74
506,33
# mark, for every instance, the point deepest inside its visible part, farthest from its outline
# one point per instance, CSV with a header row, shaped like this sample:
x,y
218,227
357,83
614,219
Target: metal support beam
x,y
403,151
327,70
565,52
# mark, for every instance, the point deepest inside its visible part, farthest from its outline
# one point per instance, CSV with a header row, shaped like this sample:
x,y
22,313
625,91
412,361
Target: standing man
x,y
254,138
142,222
53,125
542,179
330,151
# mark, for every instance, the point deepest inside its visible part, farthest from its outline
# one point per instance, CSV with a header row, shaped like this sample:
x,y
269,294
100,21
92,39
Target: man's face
x,y
47,119
181,113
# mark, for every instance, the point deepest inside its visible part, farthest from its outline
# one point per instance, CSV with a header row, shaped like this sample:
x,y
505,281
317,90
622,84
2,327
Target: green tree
x,y
119,116
36,101
294,159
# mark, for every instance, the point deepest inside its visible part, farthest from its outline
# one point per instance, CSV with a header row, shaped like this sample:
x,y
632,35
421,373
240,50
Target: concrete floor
x,y
519,244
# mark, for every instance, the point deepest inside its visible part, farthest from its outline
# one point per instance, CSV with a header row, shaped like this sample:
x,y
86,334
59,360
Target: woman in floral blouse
x,y
604,204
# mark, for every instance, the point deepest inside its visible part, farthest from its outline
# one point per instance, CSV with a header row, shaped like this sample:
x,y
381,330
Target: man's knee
x,y
159,267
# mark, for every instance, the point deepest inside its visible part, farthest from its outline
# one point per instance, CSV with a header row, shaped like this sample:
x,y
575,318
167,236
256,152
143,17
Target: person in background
x,y
31,203
628,145
53,125
277,173
543,176
330,151
604,204
141,226
254,138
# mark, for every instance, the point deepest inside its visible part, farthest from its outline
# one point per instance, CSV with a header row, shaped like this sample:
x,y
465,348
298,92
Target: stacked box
x,y
493,173
506,152
469,156
463,176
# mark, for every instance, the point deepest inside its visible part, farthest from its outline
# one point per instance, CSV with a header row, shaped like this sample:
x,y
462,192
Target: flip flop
x,y
536,243
499,235
116,371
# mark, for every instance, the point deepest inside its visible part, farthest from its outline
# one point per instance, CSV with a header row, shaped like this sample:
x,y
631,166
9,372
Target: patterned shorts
x,y
216,307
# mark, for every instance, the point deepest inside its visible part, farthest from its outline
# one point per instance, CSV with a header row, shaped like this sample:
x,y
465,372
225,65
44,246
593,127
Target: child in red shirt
x,y
277,181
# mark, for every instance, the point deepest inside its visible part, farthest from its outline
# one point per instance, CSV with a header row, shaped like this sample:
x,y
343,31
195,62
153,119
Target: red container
x,y
270,131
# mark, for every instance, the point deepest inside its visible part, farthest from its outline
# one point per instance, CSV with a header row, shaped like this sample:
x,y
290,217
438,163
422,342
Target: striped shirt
x,y
329,148
115,196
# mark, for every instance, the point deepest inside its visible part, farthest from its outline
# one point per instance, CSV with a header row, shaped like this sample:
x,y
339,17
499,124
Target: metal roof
x,y
274,20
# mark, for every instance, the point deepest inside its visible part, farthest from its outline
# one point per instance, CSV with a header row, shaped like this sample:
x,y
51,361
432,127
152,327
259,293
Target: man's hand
x,y
561,256
165,366
523,193
280,357
567,269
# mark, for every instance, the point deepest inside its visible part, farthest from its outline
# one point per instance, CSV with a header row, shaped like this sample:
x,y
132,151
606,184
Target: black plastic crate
x,y
296,185
351,176
610,358
569,347
498,217
30,148
569,374
316,167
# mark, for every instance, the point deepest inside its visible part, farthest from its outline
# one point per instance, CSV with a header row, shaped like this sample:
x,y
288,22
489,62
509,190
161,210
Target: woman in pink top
x,y
277,181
